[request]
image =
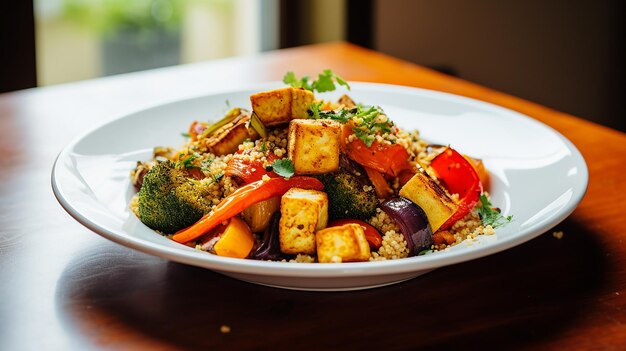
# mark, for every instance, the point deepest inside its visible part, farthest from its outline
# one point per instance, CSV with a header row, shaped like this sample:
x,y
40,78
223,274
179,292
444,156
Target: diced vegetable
x,y
412,222
257,125
389,159
236,241
459,177
433,200
241,199
383,190
480,169
228,118
227,138
249,171
258,215
348,194
270,244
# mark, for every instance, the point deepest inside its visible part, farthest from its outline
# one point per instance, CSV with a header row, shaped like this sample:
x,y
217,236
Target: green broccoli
x,y
169,201
347,197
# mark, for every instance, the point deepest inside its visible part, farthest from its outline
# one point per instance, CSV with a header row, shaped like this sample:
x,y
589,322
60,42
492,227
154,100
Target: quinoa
x,y
211,170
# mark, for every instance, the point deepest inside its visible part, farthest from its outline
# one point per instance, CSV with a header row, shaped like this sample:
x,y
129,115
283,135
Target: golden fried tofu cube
x,y
344,243
301,101
226,139
303,212
313,145
427,194
280,106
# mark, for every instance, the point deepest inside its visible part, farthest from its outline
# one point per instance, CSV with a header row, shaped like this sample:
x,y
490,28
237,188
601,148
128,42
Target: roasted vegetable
x,y
412,222
270,244
459,177
226,138
429,196
241,199
350,195
236,240
169,200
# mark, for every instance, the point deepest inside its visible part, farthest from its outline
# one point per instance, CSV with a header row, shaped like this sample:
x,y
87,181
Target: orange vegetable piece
x,y
236,241
480,169
383,190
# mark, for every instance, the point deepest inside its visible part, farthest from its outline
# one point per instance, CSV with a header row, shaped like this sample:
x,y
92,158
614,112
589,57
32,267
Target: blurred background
x,y
563,54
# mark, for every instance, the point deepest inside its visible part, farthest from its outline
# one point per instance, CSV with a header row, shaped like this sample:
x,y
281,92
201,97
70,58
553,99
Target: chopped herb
x,y
206,164
490,216
424,252
185,135
366,137
217,177
325,81
283,167
188,162
263,147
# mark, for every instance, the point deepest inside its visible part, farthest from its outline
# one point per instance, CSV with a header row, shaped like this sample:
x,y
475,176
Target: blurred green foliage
x,y
110,16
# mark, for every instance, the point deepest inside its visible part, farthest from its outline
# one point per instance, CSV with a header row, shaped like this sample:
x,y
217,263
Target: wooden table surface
x,y
64,287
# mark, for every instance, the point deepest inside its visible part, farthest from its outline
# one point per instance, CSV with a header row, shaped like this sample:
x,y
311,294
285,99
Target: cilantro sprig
x,y
367,123
489,216
325,81
283,167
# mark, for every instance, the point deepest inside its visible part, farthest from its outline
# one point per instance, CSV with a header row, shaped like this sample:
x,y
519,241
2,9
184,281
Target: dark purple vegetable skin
x,y
270,245
412,222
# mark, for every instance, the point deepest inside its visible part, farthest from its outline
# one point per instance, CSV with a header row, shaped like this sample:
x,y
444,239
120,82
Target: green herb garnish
x,y
325,81
490,216
188,162
185,135
283,167
424,252
217,177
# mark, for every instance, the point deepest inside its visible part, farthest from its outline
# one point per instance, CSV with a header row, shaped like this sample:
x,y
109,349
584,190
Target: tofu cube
x,y
303,212
313,145
280,106
301,100
344,243
424,192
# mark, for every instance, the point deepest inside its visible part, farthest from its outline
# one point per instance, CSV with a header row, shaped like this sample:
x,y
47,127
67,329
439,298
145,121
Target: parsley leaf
x,y
283,167
489,216
366,137
185,135
325,81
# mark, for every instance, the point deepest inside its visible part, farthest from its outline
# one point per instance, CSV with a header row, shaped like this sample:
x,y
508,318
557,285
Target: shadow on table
x,y
513,299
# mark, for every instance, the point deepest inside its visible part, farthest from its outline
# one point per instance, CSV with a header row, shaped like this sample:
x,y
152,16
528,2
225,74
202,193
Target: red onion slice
x,y
412,222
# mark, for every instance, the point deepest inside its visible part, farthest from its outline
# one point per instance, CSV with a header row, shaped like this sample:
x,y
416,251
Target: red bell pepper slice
x,y
459,177
241,199
373,237
249,170
389,159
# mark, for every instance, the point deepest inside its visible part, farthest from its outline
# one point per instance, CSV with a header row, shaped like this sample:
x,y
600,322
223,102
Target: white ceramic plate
x,y
537,175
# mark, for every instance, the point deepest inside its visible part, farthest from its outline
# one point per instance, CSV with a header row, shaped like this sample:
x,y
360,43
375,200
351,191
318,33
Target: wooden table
x,y
64,287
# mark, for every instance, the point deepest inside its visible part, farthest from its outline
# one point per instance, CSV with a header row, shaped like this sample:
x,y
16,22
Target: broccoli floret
x,y
347,197
169,201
